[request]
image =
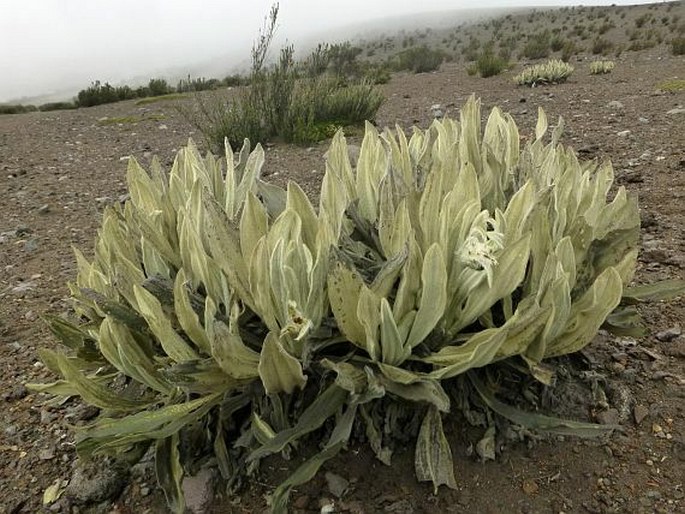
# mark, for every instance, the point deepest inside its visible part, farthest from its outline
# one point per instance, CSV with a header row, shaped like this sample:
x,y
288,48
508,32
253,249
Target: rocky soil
x,y
58,170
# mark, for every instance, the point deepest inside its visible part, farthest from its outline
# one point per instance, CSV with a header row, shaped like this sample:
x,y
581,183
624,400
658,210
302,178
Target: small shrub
x,y
57,106
164,98
556,43
235,80
489,64
678,46
601,67
190,85
281,103
420,59
17,108
538,46
570,49
553,71
159,87
602,46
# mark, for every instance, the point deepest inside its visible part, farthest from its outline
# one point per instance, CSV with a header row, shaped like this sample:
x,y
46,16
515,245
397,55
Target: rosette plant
x,y
222,315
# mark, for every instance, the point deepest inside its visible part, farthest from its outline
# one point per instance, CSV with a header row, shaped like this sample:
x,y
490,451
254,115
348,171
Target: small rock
x,y
676,348
615,104
46,454
46,417
437,111
97,481
643,120
640,412
655,255
668,335
676,111
199,490
400,507
44,209
337,485
623,133
608,417
163,127
16,393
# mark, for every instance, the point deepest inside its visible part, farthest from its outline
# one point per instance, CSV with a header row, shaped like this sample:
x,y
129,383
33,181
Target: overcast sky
x,y
46,45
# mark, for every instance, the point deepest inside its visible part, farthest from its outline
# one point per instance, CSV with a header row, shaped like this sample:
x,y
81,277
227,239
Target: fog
x,y
52,48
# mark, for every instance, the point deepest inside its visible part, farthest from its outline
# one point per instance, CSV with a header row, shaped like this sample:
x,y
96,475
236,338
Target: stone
x,y
676,111
640,412
609,417
615,104
44,209
623,133
97,481
668,335
199,490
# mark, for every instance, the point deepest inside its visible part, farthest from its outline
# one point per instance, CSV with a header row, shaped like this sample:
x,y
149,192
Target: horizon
x,y
61,47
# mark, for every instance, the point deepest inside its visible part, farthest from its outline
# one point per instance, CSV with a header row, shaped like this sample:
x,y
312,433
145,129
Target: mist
x,y
53,48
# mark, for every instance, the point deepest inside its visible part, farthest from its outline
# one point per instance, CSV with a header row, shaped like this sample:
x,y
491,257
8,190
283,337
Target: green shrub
x,y
420,59
553,71
189,85
672,86
601,67
678,46
159,87
489,64
164,98
538,46
279,103
602,46
223,316
570,49
16,108
57,106
235,80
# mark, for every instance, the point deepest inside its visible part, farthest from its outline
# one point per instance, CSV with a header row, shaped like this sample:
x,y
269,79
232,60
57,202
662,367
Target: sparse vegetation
x,y
16,108
672,86
602,46
163,98
678,46
57,106
553,71
420,59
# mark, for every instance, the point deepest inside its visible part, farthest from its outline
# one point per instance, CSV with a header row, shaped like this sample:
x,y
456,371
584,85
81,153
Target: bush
x,y
420,59
190,85
538,46
602,46
16,108
570,49
601,67
488,64
223,316
57,106
553,71
280,104
159,87
678,46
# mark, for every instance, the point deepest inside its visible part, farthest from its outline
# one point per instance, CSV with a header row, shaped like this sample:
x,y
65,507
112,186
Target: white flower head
x,y
482,244
298,326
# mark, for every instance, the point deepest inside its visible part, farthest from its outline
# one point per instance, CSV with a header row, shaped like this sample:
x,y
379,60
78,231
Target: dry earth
x,y
59,169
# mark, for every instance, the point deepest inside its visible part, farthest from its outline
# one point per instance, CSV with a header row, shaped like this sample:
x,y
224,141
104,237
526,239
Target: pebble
x,y
44,209
668,335
615,104
623,133
199,490
676,111
640,412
